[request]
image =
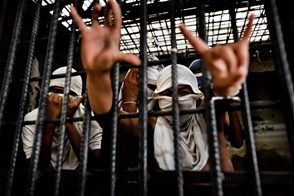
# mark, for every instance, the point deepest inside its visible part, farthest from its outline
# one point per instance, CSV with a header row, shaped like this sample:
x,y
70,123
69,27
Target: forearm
x,y
236,129
130,125
74,138
235,121
100,92
94,158
225,159
46,146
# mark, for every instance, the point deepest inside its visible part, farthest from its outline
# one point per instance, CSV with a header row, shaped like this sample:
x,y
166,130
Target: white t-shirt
x,y
69,160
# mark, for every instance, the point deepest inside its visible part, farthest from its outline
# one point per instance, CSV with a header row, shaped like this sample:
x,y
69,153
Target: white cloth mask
x,y
185,103
76,84
150,101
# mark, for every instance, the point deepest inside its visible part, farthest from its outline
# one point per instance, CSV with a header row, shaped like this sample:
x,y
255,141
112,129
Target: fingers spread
x,y
107,16
247,32
95,13
129,58
78,20
198,44
116,12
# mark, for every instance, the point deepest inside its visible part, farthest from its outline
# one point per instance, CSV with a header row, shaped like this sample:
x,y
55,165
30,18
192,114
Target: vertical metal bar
x,y
11,59
283,68
85,147
33,170
23,100
215,168
233,19
114,131
212,134
62,129
143,189
250,144
85,136
176,110
201,20
63,118
214,155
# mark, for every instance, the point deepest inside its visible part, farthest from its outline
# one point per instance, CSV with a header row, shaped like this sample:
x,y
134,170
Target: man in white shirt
x,y
51,132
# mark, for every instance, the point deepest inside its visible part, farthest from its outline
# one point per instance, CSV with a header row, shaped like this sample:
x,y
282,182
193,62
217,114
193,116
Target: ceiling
x,y
217,21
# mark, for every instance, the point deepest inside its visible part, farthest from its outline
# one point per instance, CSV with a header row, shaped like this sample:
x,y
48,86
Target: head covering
x,y
185,76
196,67
76,84
193,143
152,74
153,70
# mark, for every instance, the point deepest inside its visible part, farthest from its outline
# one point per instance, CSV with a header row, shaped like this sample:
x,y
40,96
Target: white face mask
x,y
149,93
62,95
185,102
150,101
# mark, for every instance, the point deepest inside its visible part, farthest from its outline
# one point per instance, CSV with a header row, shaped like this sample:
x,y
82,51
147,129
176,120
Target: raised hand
x,y
130,90
99,52
54,106
100,43
228,64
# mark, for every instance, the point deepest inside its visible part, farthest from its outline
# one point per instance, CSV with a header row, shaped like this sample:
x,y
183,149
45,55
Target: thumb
x,y
79,100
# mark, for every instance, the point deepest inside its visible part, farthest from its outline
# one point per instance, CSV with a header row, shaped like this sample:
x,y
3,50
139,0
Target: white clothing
x,y
152,74
75,83
185,76
193,144
193,139
69,160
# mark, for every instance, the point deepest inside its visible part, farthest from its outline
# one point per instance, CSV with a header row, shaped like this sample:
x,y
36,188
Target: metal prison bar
x,y
216,179
251,150
216,174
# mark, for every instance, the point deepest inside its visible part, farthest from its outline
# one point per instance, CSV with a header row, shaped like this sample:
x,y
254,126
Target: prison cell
x,y
43,30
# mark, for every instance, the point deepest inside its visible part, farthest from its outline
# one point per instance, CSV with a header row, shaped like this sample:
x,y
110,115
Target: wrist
x,y
129,102
129,106
227,92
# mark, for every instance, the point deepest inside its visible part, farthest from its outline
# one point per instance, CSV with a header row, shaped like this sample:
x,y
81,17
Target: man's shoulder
x,y
32,115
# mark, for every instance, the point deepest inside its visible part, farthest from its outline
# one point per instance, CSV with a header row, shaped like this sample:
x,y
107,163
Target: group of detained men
x,y
227,64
